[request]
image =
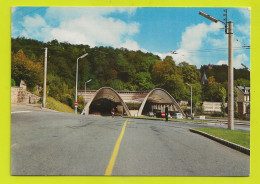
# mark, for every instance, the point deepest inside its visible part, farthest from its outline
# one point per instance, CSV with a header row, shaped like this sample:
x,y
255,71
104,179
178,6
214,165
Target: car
x,y
178,116
150,114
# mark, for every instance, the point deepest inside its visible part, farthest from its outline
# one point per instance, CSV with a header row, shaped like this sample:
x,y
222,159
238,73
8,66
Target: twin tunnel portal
x,y
130,103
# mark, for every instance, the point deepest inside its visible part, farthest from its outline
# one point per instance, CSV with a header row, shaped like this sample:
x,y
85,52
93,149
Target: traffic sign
x,y
163,114
75,103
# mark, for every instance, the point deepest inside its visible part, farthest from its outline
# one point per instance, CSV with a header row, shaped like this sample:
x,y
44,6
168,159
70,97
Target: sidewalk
x,y
35,107
239,122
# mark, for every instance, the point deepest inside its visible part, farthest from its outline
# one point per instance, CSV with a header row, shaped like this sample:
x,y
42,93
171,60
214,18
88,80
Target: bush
x,y
244,117
217,114
12,82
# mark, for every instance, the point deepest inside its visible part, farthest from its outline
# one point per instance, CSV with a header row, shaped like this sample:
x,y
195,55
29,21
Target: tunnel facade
x,y
108,95
159,98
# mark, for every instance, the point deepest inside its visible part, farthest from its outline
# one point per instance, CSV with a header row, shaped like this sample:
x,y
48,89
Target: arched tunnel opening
x,y
147,108
103,107
155,109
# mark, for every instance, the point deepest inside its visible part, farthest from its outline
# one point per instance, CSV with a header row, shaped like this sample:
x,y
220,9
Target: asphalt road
x,y
51,143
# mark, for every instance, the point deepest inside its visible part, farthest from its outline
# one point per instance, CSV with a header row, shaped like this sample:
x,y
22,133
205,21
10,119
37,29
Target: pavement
x,y
44,142
242,122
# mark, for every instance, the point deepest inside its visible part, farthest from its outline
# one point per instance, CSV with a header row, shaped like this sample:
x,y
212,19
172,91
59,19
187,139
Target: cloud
x,y
193,39
132,45
55,15
244,28
92,26
95,30
34,27
238,60
193,36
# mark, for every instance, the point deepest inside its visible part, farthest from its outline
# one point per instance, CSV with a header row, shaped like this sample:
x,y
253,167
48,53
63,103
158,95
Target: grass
x,y
58,106
181,120
234,136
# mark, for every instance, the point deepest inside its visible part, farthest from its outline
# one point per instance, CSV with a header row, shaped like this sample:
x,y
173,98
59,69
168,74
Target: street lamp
x,y
76,93
230,66
190,100
85,89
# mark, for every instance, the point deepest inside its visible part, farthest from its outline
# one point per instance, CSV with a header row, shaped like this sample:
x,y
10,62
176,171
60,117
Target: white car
x,y
178,116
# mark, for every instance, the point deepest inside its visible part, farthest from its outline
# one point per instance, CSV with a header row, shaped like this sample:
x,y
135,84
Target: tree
x,y
166,76
223,106
12,82
189,73
213,91
242,82
25,69
143,81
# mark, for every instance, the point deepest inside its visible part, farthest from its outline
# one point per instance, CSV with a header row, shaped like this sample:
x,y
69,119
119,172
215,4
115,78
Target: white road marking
x,y
19,112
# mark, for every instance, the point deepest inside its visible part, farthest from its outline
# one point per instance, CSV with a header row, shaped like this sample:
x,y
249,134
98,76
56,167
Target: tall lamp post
x,y
190,100
229,31
85,89
76,92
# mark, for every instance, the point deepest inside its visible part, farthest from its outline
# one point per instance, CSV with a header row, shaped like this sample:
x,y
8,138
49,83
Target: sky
x,y
158,30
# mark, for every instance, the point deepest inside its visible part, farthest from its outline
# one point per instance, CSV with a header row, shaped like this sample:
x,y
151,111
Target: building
x,y
243,99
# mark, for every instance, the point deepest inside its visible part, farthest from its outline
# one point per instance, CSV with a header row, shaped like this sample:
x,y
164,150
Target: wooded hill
x,y
120,69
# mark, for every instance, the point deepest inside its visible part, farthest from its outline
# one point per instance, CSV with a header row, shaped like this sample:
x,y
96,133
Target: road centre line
x,y
115,152
19,112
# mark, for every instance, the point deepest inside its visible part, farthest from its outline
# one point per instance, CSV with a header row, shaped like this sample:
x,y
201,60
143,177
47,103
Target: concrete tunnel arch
x,y
159,95
108,93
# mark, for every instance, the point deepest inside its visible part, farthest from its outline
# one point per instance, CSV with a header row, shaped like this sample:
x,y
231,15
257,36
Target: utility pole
x,y
230,77
44,79
229,31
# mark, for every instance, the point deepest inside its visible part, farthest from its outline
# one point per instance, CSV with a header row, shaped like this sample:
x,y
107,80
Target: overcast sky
x,y
195,39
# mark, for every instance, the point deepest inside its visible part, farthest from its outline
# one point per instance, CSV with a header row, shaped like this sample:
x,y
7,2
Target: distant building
x,y
243,99
204,79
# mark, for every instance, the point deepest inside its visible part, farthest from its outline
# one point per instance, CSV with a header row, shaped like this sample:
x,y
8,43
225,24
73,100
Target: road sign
x,y
163,114
75,103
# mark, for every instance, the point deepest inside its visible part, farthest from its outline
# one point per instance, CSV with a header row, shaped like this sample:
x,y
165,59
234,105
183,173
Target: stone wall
x,y
19,95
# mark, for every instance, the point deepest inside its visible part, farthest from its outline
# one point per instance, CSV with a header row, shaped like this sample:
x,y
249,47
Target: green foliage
x,y
189,73
58,106
213,91
143,81
120,69
24,69
235,136
242,82
12,82
58,89
220,73
81,104
118,84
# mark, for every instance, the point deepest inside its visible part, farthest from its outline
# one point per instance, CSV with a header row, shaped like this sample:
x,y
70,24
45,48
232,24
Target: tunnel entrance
x,y
103,107
156,101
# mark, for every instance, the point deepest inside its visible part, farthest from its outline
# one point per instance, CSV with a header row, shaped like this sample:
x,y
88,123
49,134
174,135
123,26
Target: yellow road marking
x,y
114,155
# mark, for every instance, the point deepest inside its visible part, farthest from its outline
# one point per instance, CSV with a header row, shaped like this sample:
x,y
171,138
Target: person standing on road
x,y
166,113
113,112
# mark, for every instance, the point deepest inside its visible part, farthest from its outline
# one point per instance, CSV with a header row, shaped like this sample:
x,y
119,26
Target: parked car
x,y
178,116
150,114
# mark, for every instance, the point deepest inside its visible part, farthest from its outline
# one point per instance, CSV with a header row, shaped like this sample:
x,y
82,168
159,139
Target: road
x,y
52,143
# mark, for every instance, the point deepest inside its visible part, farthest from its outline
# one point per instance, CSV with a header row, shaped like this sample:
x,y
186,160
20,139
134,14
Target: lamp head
x,y
208,17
